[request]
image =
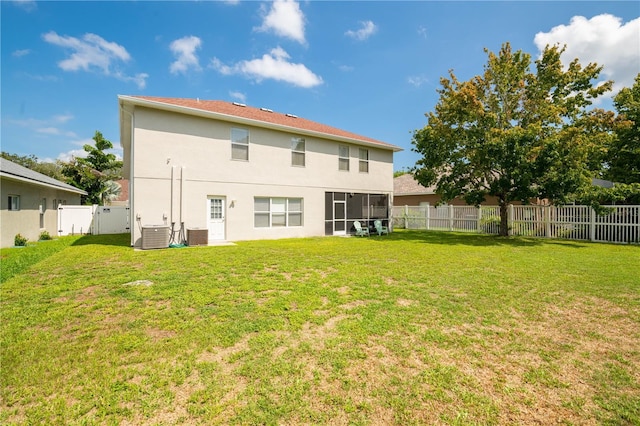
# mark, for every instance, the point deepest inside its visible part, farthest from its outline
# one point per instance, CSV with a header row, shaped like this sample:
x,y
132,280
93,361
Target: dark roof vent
x,y
291,115
266,109
239,104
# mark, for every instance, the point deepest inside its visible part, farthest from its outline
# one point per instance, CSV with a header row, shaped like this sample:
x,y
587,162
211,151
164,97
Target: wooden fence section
x,y
619,224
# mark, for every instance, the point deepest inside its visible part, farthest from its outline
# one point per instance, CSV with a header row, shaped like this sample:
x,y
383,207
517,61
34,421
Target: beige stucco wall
x,y
197,153
26,221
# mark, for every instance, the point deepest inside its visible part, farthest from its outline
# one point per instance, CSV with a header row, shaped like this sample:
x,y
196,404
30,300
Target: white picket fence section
x,y
96,220
620,224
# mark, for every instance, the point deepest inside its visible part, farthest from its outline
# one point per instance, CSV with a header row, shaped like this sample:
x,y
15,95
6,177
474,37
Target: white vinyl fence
x,y
620,224
96,220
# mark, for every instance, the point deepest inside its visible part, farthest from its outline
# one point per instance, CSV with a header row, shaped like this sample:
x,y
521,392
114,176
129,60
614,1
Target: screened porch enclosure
x,y
344,208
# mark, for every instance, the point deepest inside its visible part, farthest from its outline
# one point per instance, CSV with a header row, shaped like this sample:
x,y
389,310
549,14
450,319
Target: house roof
x,y
262,117
407,185
11,170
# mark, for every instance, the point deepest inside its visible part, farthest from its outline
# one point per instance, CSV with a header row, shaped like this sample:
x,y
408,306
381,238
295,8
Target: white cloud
x,y
77,153
41,77
28,5
285,19
602,39
62,118
239,96
35,123
275,65
368,28
184,50
345,68
21,52
417,80
422,31
91,53
56,132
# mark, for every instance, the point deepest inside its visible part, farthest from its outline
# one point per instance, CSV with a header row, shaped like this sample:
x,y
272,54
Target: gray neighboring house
x,y
29,202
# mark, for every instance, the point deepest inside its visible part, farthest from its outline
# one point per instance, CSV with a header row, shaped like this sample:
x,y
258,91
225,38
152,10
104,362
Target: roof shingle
x,y
11,169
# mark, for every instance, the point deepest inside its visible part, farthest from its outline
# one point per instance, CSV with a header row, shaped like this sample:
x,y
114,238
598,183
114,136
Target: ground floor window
x,y
277,212
14,202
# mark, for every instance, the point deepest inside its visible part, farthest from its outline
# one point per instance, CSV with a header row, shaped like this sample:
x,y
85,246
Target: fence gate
x,y
111,220
73,220
94,219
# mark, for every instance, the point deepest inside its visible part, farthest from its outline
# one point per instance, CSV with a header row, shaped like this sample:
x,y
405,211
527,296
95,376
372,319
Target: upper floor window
x,y
298,152
364,160
14,202
239,144
343,158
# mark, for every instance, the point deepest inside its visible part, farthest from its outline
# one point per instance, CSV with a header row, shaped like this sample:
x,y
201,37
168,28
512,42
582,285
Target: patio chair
x,y
360,231
379,228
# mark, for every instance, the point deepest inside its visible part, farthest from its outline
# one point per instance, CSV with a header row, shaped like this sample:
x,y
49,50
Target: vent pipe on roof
x,y
266,109
291,115
239,104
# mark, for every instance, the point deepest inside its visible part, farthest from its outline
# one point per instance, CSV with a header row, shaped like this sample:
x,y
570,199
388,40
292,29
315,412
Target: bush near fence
x,y
618,224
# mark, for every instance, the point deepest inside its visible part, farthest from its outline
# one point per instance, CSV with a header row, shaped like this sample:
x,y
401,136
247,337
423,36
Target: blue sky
x,y
367,67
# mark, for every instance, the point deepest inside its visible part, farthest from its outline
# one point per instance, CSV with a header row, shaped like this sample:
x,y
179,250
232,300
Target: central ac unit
x,y
155,236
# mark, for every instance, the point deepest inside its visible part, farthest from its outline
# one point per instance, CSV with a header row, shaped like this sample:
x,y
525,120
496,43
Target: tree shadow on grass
x,y
118,240
470,239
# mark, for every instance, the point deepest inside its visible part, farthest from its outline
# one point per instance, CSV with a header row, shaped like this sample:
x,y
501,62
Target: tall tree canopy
x,y
624,151
32,162
514,133
96,172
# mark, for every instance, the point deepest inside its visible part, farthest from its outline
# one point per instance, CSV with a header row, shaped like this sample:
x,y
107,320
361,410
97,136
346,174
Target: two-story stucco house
x,y
248,173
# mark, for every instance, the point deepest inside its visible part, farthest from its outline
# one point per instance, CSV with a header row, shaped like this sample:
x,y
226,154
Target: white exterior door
x,y
215,213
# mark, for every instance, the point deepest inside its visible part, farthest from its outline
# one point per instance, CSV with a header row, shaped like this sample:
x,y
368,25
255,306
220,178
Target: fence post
x,y
479,225
450,217
406,217
427,216
592,224
547,221
510,215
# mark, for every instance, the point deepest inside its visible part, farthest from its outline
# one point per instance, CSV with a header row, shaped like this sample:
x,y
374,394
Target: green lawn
x,y
411,328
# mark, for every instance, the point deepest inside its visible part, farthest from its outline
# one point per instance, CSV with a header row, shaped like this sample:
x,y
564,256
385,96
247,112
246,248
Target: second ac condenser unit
x,y
197,236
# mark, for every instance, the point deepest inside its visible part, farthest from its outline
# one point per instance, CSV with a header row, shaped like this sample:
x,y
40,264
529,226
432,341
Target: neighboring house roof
x,y
124,190
407,185
262,117
11,170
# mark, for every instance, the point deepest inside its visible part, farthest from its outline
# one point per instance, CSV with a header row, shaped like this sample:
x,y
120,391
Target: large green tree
x,y
95,173
514,132
623,157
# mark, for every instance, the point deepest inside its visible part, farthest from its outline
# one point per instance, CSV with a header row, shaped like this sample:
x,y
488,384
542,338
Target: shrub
x,y
44,236
19,241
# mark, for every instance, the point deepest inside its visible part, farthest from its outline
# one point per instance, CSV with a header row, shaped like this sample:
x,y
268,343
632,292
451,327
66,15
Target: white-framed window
x,y
364,160
44,205
343,158
239,144
277,212
298,152
14,202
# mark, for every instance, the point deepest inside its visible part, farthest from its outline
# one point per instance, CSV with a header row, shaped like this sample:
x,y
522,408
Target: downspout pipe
x,y
132,214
